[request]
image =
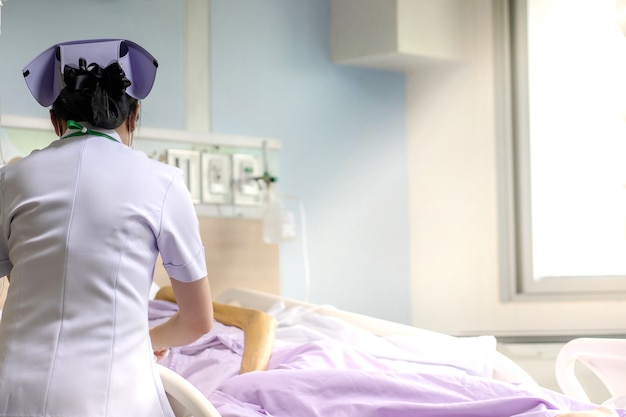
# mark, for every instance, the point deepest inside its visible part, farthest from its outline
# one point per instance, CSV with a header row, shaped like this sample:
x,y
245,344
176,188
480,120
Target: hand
x,y
161,353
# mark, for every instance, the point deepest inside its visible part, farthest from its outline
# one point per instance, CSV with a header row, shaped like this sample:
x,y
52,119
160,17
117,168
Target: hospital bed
x,y
249,392
318,334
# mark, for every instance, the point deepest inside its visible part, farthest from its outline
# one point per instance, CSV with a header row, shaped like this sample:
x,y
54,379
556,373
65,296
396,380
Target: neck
x,y
125,132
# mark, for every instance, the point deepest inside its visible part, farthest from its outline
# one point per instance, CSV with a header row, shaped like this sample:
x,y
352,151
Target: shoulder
x,y
154,165
148,170
18,164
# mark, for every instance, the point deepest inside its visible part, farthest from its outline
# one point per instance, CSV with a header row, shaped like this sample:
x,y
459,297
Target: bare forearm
x,y
193,319
176,332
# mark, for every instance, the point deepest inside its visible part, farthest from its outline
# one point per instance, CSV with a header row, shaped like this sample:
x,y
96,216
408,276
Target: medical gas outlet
x,y
246,188
216,175
219,178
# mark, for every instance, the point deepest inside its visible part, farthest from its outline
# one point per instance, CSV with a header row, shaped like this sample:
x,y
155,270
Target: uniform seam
x,y
113,331
63,283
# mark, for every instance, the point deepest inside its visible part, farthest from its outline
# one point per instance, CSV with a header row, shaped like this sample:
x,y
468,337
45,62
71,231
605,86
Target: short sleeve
x,y
179,239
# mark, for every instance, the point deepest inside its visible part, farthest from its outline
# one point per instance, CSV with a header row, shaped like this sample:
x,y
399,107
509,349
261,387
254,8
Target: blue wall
x,y
343,132
343,129
31,26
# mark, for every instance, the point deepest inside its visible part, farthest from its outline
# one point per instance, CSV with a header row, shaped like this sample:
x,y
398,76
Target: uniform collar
x,y
83,129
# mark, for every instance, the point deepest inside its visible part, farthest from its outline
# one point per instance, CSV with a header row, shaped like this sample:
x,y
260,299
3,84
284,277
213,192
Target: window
x,y
564,151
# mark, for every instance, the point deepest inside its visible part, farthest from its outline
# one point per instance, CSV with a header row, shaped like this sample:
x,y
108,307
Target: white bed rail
x,y
605,357
186,400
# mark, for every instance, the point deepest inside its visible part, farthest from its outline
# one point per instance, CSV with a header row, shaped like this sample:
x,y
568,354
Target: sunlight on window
x,y
577,78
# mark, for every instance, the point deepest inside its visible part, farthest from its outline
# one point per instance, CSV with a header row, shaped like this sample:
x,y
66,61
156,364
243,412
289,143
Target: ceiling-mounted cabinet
x,y
397,34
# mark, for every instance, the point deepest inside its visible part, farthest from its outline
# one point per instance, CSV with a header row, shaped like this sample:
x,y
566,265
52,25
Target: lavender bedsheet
x,y
324,367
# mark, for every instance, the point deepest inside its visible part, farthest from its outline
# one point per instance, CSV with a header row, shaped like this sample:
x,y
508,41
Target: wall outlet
x,y
246,189
216,178
189,162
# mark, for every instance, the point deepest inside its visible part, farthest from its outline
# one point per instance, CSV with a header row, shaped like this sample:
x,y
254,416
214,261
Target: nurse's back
x,y
81,224
82,218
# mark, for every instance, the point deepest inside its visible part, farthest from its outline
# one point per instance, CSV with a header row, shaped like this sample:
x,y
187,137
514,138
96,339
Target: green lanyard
x,y
82,130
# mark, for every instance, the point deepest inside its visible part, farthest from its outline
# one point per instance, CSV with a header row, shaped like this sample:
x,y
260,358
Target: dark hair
x,y
95,95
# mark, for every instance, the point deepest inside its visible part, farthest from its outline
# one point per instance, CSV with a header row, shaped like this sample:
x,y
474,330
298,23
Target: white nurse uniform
x,y
81,224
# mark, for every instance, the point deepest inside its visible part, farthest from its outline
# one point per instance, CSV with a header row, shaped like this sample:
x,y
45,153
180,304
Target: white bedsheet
x,y
471,355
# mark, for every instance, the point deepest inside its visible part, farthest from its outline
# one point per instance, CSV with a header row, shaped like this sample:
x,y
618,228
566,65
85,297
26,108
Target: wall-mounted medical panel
x,y
227,169
220,178
221,171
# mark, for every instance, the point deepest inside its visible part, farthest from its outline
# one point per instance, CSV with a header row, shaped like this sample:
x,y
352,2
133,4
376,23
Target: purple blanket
x,y
325,377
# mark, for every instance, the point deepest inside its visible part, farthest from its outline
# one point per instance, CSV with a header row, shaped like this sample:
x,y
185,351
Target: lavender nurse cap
x,y
44,74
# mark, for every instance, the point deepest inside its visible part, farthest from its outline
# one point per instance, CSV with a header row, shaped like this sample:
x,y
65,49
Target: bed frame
x,y
605,357
186,400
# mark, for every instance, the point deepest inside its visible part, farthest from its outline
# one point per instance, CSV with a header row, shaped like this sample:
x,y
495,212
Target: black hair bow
x,y
97,93
111,79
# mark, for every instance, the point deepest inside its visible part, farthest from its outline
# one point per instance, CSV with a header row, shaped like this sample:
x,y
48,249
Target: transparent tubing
x,y
305,246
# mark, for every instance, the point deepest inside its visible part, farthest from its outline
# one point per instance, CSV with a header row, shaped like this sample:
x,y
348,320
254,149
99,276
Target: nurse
x,y
81,225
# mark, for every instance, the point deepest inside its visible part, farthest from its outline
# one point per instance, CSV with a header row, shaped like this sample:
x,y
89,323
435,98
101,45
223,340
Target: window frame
x,y
514,188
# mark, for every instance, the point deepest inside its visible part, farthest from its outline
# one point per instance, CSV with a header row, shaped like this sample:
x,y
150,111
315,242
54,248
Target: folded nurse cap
x,y
44,74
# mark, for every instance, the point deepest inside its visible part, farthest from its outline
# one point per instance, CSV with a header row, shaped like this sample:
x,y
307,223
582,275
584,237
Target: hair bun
x,y
105,88
113,79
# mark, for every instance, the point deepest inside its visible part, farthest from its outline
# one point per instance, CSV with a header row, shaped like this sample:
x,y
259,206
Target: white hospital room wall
x,y
453,179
